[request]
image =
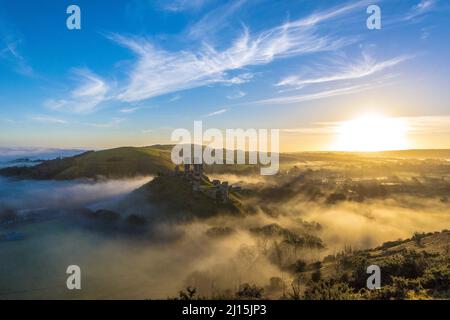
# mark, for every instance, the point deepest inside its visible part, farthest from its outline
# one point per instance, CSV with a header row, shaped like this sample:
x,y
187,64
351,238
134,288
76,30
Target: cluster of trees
x,y
407,273
244,292
283,247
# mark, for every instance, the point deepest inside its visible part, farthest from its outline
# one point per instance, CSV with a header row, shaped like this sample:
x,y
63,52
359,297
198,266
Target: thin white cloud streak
x,y
216,113
415,14
159,72
157,130
239,79
414,125
312,96
134,109
319,17
239,94
175,98
315,130
10,121
423,7
91,91
114,122
364,68
429,124
215,20
324,94
182,5
48,119
11,53
129,110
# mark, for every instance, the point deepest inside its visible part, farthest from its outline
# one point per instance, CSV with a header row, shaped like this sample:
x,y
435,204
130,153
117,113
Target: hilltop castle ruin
x,y
193,173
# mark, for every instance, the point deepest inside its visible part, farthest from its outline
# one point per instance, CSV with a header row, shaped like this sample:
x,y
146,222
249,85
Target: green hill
x,y
138,161
112,163
174,196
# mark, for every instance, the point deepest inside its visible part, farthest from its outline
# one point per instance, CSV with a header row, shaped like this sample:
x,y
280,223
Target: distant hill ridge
x,y
140,161
111,163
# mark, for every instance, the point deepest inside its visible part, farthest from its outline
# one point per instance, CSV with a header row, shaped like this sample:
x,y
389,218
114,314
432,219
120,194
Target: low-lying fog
x,y
140,268
29,195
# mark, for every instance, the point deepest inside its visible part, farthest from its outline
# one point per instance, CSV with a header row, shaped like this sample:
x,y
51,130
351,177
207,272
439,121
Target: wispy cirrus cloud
x,y
48,119
129,110
314,129
158,71
429,124
237,95
414,124
109,124
216,113
7,120
423,7
175,98
134,109
361,69
181,5
11,53
84,98
313,96
318,94
215,20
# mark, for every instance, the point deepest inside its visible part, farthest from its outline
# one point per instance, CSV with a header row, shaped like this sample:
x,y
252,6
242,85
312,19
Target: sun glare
x,y
371,133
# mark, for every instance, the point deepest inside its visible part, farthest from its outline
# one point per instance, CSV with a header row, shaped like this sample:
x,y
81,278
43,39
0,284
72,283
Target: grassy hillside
x,y
415,268
112,163
137,161
175,196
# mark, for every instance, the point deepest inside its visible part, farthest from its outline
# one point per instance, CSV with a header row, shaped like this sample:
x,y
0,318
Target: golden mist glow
x,y
371,133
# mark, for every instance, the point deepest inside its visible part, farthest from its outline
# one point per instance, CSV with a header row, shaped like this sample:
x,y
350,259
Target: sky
x,y
138,69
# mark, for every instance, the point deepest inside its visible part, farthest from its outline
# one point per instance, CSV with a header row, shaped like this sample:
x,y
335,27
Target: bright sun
x,y
371,133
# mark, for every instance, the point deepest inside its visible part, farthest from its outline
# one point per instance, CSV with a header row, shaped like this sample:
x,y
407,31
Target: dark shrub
x,y
315,266
335,198
188,294
397,290
299,266
358,278
219,231
316,276
247,291
437,279
136,220
417,238
410,265
329,290
329,258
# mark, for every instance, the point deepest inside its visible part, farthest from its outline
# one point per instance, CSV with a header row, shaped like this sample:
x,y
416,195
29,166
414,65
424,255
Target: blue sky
x,y
139,69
